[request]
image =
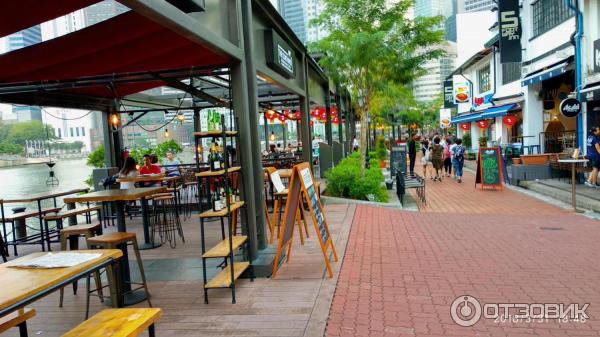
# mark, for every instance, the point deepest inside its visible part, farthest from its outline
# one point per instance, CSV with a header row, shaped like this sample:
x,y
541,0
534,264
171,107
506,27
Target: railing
x,y
557,141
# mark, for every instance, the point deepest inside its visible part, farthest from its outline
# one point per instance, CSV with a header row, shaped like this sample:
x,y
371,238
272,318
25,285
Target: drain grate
x,y
552,228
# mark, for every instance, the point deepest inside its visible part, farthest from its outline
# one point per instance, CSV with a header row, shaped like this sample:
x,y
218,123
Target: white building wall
x,y
472,31
72,127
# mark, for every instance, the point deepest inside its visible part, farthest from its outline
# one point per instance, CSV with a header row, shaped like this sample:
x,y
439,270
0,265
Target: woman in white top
x,y
128,171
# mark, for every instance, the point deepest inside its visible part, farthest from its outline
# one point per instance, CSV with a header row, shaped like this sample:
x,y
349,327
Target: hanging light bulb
x,y
166,133
114,119
272,138
180,117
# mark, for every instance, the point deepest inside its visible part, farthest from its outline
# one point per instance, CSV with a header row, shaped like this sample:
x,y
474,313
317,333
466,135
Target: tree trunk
x,y
364,135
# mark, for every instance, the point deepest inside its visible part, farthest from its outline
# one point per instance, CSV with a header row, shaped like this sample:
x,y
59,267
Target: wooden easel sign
x,y
302,183
489,168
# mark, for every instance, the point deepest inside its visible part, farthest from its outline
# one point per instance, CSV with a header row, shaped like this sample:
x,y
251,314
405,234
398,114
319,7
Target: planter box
x,y
535,159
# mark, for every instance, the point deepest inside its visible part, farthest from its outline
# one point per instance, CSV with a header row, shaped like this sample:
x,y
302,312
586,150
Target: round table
x,y
573,162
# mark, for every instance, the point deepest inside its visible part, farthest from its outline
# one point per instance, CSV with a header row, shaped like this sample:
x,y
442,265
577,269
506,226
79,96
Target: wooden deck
x,y
296,303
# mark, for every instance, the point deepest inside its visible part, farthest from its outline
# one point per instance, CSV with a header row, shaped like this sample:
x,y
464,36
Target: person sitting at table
x,y
290,148
149,168
171,165
129,170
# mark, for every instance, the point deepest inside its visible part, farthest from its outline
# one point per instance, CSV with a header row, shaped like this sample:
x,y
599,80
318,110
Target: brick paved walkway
x,y
402,270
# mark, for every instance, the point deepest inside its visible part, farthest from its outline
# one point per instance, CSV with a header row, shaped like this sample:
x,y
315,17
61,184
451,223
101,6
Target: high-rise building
x,y
450,24
313,10
429,86
294,12
103,11
430,8
24,38
477,5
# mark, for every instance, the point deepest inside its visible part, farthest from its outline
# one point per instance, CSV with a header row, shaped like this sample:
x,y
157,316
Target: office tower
x,y
294,13
477,5
103,11
24,38
450,24
429,86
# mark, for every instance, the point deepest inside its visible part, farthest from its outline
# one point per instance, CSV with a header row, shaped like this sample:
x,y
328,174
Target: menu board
x,y
489,168
302,184
398,160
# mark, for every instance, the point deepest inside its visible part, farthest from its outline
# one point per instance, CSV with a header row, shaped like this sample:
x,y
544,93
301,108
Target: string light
x,y
166,133
180,117
272,138
114,119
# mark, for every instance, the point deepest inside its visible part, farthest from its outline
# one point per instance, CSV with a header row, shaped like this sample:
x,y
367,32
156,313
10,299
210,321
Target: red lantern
x,y
281,117
333,111
271,114
483,124
312,123
323,115
465,126
509,121
335,120
298,115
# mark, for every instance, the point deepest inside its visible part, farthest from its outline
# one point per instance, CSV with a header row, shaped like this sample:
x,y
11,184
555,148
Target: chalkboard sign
x,y
489,168
302,183
398,159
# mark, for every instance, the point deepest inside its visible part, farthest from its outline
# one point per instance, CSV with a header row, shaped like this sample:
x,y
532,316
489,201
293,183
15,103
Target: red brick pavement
x,y
402,270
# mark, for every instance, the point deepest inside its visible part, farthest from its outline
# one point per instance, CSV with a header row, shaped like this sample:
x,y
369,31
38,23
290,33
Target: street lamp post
x,y
367,153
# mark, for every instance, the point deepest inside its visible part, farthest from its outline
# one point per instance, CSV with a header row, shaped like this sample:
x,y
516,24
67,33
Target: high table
x,y
119,197
148,178
22,286
573,162
38,199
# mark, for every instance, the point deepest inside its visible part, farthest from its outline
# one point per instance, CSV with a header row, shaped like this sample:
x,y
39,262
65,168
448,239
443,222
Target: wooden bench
x,y
72,212
60,216
17,319
28,214
128,322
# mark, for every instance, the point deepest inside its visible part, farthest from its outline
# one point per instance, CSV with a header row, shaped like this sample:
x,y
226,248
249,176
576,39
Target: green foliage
x,y
160,151
344,180
138,153
467,142
10,148
96,157
13,136
373,48
483,141
380,148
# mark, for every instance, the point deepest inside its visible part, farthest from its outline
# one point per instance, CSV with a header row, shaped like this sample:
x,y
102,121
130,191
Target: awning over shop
x,y
543,75
498,111
22,14
125,44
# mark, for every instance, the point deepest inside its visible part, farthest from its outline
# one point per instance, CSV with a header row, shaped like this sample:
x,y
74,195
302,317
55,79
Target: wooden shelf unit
x,y
223,278
222,248
218,173
212,214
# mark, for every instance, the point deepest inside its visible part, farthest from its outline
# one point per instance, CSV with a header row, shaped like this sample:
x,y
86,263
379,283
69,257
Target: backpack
x,y
459,152
447,153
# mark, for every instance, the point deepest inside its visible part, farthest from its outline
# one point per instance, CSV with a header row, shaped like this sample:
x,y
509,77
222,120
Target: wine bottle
x,y
213,200
218,121
209,120
218,200
213,159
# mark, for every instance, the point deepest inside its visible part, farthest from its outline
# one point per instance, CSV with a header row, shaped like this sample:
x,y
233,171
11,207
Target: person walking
x,y
593,153
447,157
426,154
437,158
458,159
412,153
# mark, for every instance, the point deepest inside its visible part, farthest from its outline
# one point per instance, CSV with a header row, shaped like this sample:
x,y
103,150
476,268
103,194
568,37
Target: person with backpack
x,y
437,157
426,154
447,157
458,159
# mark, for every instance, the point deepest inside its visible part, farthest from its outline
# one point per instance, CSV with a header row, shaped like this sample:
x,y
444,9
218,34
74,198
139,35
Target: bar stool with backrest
x,y
113,241
71,236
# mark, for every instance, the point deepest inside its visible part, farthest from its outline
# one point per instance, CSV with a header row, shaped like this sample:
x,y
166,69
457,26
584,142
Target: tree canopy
x,y
372,46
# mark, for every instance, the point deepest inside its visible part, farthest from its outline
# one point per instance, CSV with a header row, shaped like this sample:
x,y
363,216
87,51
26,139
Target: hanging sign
x,y
489,168
570,107
510,31
280,56
461,91
445,115
597,56
465,126
479,101
302,184
448,96
483,124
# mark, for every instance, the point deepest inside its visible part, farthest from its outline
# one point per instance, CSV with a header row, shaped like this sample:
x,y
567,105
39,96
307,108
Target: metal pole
x,y
266,129
305,120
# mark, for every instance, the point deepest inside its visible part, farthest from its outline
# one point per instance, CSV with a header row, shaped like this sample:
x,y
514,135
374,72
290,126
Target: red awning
x,y
22,14
124,44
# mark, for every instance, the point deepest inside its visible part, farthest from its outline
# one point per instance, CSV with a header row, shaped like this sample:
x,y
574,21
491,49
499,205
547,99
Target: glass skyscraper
x,y
477,5
24,38
294,13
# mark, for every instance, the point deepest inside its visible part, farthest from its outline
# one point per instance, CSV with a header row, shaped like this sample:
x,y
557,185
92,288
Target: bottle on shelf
x,y
209,122
217,121
213,157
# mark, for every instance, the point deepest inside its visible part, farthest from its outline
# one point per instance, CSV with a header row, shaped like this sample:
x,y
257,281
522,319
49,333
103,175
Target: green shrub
x,y
345,181
380,148
467,140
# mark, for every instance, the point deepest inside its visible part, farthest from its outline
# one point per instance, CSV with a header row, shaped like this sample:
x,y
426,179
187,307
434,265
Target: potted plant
x,y
381,151
483,141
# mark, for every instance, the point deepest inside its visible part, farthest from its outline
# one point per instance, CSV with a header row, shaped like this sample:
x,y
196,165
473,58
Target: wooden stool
x,y
129,322
112,241
17,319
72,234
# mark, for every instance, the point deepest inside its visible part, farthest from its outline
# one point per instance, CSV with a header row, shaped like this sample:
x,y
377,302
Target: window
x,y
57,133
82,131
77,131
511,72
548,14
71,131
483,79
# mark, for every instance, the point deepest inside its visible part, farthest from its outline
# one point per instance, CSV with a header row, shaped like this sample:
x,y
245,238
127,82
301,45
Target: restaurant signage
x,y
445,115
280,56
461,92
489,168
510,31
597,56
448,96
570,107
592,95
479,101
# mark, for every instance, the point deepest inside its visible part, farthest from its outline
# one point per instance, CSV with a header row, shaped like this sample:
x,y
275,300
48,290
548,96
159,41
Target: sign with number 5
x,y
510,31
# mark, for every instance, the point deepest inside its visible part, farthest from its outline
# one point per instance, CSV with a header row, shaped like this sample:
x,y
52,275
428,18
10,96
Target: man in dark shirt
x,y
412,153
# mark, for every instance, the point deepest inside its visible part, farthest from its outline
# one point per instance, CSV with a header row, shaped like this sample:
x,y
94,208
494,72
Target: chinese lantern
x,y
335,120
333,111
509,121
323,115
289,114
271,114
314,112
465,126
281,117
312,123
483,124
298,115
